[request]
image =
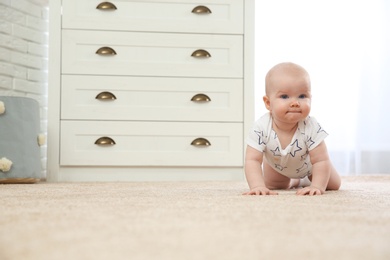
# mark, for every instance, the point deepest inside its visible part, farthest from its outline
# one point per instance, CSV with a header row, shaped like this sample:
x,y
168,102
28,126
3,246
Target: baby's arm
x,y
321,171
254,173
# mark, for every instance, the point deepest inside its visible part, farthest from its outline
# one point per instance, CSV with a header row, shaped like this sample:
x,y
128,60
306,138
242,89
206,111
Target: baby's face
x,y
289,98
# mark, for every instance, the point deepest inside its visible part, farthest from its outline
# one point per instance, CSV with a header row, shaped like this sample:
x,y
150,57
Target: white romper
x,y
294,160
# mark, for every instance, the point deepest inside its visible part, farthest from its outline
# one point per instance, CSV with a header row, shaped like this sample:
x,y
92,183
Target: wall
x,y
24,53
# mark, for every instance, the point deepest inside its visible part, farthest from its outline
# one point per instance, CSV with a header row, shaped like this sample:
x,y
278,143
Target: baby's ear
x,y
267,103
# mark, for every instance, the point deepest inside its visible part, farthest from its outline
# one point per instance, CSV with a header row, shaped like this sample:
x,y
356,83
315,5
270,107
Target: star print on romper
x,y
310,142
261,137
279,167
276,152
303,167
320,129
295,149
304,156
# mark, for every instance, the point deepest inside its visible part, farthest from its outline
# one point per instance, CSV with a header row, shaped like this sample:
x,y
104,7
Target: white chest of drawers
x,y
149,90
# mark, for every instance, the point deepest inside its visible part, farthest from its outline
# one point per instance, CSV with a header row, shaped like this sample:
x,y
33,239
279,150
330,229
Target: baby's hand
x,y
310,190
260,191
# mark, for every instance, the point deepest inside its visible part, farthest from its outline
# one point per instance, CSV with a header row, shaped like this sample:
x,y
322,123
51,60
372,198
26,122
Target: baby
x,y
286,147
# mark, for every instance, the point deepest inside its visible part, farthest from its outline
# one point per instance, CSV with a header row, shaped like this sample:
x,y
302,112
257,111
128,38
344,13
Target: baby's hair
x,y
284,67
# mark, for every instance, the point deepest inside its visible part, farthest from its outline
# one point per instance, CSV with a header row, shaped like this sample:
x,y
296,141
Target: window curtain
x,y
345,47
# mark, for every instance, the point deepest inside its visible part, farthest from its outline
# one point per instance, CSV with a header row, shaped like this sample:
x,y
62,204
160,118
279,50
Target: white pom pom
x,y
5,164
41,139
2,107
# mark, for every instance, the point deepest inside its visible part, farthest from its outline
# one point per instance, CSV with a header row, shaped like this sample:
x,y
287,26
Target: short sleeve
x,y
314,132
258,135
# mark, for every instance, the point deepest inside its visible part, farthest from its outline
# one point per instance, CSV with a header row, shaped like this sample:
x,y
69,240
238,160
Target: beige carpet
x,y
201,220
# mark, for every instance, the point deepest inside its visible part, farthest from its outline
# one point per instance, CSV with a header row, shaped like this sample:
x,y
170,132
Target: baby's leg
x,y
274,180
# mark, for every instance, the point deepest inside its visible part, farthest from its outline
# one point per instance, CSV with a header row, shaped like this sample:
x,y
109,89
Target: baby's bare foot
x,y
299,183
294,183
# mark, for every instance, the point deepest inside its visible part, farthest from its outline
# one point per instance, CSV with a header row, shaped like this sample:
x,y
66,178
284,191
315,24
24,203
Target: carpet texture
x,y
193,220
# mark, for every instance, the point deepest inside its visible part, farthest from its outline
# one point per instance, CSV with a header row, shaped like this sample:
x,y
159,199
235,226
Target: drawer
x,y
150,144
152,54
149,98
226,16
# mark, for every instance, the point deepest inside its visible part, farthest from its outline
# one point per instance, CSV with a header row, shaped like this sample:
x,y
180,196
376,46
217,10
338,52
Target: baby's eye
x,y
284,96
302,96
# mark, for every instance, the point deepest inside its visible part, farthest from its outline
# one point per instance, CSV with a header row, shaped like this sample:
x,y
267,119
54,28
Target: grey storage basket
x,y
20,160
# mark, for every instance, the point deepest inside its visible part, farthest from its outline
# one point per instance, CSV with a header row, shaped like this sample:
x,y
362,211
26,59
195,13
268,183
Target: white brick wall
x,y
23,53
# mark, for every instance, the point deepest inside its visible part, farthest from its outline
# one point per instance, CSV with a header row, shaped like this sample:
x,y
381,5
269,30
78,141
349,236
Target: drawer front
x,y
149,98
152,54
151,144
224,17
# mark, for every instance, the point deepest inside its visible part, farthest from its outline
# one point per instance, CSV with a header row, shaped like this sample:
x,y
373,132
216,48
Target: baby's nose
x,y
295,103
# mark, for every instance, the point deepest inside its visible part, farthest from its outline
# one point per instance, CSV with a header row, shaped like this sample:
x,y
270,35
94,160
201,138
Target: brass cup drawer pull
x,y
106,6
201,9
201,54
200,98
105,96
106,51
105,141
201,142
